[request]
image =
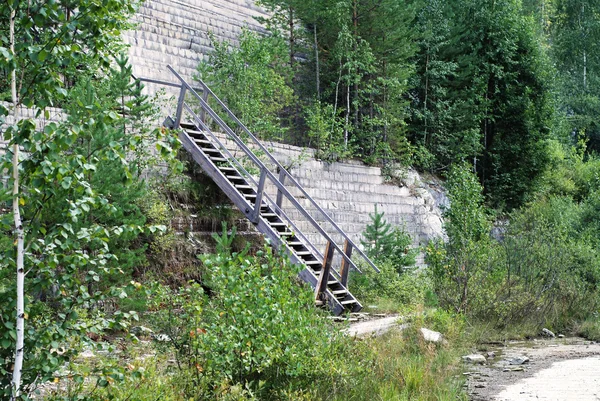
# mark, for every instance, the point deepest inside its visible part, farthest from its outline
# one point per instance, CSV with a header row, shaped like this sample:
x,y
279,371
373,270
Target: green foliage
x,y
252,80
78,197
544,271
388,290
386,244
326,132
462,263
257,331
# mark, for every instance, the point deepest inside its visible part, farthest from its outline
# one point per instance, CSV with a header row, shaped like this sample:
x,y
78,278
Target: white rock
x,y
519,360
547,333
474,358
431,336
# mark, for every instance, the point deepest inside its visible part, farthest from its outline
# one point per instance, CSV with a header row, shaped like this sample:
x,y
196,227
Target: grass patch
x,y
589,329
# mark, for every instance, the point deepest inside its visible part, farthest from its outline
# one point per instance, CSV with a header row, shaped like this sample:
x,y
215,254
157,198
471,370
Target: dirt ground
x,y
558,369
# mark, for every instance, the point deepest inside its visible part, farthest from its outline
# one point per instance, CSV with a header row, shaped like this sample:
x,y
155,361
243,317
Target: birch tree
x,y
44,48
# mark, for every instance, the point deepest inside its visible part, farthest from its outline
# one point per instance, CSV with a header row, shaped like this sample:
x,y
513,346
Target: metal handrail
x,y
249,177
204,104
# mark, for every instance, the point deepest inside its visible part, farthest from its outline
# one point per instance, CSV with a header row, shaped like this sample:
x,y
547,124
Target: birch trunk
x,y
18,366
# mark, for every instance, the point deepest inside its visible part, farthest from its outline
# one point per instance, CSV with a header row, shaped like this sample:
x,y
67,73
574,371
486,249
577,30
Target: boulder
x,y
547,333
431,336
519,360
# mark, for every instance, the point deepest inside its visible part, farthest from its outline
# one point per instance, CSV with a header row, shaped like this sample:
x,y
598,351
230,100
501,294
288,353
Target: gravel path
x,y
557,370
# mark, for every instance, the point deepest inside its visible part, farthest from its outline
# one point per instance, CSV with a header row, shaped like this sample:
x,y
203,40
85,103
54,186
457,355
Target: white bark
x,y
18,366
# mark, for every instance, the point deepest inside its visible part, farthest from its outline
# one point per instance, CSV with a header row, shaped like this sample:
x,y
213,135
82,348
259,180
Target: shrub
x,y
257,333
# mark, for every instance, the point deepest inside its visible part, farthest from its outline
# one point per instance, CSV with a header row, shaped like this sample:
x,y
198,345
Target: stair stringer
x,y
307,275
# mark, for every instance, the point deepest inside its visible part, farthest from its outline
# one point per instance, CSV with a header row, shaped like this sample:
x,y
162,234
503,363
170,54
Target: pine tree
x,y
387,244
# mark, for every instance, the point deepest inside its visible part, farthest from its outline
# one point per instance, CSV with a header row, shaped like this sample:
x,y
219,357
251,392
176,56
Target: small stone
x,y
547,333
561,336
474,358
517,369
431,336
480,385
519,360
491,354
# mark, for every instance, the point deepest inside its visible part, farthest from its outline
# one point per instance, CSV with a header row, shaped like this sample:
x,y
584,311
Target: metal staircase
x,y
244,179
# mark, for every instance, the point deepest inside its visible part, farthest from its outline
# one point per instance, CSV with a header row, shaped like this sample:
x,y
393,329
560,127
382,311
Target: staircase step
x,y
202,141
211,150
304,253
339,292
235,178
243,187
295,243
217,159
351,301
229,169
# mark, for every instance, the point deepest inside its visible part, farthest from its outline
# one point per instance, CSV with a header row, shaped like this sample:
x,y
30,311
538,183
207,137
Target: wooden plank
x,y
324,276
345,268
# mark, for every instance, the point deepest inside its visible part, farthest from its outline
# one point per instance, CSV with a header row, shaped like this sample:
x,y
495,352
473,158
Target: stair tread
x,y
348,302
204,141
338,292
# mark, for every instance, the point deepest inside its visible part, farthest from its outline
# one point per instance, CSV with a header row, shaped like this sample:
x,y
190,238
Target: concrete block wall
x,y
176,32
348,193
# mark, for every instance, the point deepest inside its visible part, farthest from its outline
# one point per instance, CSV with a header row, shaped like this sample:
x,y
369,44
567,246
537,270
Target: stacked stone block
x,y
177,32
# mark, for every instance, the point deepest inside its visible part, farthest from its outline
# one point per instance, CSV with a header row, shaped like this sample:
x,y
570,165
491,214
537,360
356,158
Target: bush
x,y
389,290
257,333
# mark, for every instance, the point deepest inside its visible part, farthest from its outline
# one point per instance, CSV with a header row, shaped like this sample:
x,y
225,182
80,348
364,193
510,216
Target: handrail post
x,y
180,106
279,200
202,111
345,268
325,271
259,195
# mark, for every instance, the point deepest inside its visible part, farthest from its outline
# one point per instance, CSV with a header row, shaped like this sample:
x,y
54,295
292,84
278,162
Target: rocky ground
x,y
542,369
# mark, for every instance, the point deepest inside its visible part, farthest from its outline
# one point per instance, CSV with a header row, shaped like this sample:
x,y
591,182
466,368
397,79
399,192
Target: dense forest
x,y
425,83
101,299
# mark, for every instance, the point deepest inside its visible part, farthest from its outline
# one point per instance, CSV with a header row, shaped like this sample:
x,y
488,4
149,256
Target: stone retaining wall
x,y
176,32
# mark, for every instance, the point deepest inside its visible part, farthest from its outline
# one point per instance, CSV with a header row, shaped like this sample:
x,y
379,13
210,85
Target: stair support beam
x,y
325,271
345,267
180,102
259,195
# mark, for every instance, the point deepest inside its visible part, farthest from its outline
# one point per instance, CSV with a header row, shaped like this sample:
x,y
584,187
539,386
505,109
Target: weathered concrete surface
x,y
349,191
575,379
375,327
557,369
178,32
